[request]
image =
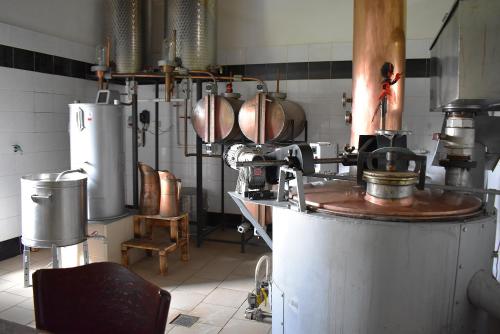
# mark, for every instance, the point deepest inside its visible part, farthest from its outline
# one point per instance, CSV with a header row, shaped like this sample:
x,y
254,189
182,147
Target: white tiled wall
x,y
415,48
39,42
33,114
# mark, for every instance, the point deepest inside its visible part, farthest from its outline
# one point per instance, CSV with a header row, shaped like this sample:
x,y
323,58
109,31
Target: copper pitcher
x,y
149,203
170,194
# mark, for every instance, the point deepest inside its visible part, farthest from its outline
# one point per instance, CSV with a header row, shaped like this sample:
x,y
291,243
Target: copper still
x,y
268,118
215,117
379,37
149,203
170,194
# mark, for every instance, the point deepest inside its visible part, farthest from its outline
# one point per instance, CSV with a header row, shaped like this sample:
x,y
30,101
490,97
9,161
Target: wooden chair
x,y
98,298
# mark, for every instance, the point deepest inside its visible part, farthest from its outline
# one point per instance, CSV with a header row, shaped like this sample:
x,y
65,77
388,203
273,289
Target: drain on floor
x,y
184,320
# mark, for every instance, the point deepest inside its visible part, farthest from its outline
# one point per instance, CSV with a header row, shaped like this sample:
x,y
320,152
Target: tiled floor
x,y
213,286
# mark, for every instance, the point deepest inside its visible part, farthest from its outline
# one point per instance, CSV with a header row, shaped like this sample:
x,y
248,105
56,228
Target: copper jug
x,y
170,194
149,203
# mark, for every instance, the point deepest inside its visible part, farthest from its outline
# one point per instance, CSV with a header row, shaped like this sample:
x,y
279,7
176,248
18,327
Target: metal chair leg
x,y
26,266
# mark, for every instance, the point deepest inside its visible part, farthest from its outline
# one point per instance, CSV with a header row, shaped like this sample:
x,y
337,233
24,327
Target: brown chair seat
x,y
98,298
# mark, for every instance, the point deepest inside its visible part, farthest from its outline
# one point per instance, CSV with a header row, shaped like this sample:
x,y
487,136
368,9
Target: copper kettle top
x,y
166,175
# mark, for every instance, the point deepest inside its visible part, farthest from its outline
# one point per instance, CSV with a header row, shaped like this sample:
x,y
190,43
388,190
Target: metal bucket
x,y
170,194
54,212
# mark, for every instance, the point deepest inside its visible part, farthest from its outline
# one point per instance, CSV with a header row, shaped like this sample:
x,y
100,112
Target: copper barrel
x,y
379,37
170,194
223,124
149,203
266,119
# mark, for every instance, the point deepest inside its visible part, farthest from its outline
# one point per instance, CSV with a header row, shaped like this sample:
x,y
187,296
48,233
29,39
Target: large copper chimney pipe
x,y
379,37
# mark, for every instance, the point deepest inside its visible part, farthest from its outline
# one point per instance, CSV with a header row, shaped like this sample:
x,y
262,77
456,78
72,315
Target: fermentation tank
x,y
123,28
221,123
195,24
268,118
97,147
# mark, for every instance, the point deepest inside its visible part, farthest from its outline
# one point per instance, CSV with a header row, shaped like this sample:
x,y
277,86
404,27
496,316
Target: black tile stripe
x,y
10,248
44,63
415,68
23,59
320,70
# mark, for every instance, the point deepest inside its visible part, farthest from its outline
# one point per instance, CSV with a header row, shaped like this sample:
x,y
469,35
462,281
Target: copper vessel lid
x,y
348,199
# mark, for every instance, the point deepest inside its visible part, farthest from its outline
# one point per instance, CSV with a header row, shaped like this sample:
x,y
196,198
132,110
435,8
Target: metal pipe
x,y
270,163
210,74
483,292
379,37
135,149
157,126
200,212
464,189
222,192
182,76
262,163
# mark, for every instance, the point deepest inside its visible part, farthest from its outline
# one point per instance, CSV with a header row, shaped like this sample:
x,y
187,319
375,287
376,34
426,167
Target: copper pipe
x,y
179,76
379,37
100,79
108,51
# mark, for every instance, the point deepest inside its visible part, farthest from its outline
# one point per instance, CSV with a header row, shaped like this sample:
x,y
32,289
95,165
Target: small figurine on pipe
x,y
387,72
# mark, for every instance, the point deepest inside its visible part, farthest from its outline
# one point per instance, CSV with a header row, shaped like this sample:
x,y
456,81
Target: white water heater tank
x,y
96,142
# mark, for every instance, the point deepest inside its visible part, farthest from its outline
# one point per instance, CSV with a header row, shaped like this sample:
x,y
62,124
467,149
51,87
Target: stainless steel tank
x,y
195,22
53,212
334,274
123,26
282,119
96,141
225,118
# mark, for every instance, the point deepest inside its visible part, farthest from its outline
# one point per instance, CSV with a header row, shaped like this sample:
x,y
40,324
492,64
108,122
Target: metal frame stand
x,y
301,203
26,266
56,260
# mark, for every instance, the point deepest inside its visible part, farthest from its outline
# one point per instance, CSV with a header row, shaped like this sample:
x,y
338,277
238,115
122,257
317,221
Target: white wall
x,y
33,110
74,20
259,23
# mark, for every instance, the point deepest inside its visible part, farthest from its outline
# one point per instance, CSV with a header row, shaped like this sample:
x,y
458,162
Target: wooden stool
x,y
179,238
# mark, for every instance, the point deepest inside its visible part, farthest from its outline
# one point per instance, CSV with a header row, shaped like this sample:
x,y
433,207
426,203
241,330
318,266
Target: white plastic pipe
x,y
484,293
